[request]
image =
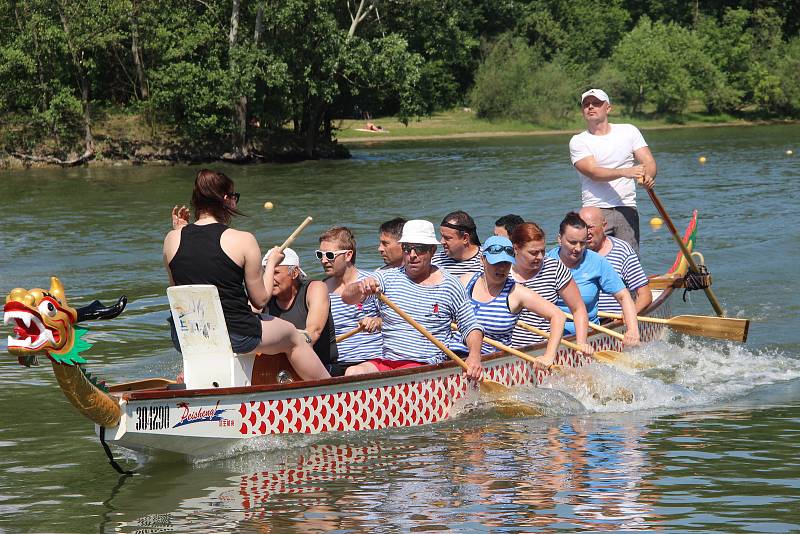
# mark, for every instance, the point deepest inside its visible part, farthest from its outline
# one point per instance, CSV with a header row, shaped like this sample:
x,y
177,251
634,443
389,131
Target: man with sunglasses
x,y
430,295
337,255
461,248
611,159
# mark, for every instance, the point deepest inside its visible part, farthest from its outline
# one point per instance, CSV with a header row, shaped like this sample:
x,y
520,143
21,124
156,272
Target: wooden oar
x,y
296,233
606,356
686,254
352,332
599,328
511,350
488,386
700,325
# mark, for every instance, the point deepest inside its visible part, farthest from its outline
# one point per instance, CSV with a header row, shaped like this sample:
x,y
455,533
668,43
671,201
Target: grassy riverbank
x,y
463,122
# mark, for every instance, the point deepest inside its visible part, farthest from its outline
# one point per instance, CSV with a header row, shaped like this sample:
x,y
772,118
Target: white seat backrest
x,y
208,360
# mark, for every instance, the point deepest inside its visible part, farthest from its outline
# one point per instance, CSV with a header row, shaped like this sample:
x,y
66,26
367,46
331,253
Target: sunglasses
x,y
235,196
329,255
419,249
498,249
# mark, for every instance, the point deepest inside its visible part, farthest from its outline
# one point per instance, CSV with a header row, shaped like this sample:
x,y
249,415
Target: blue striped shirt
x,y
624,260
455,267
434,307
494,316
364,345
552,277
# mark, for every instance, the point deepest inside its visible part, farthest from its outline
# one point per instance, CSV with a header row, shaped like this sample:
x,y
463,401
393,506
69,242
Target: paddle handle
x,y
291,238
686,253
352,332
531,328
603,329
618,317
422,330
505,348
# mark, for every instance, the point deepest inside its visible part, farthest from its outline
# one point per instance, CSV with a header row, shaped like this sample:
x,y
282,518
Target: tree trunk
x,y
83,83
239,103
136,52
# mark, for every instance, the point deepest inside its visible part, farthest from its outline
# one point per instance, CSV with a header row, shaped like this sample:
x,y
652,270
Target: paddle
x,y
487,386
686,254
352,332
597,327
699,325
510,350
296,233
605,356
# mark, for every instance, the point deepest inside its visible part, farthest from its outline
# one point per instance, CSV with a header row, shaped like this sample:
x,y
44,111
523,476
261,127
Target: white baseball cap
x,y
597,93
420,232
290,258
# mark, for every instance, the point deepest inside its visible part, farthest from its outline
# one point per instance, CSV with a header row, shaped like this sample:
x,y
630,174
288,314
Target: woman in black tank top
x,y
209,252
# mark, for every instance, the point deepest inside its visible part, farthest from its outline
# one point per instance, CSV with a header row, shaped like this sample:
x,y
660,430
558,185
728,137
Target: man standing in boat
x,y
622,258
610,160
430,295
337,254
461,248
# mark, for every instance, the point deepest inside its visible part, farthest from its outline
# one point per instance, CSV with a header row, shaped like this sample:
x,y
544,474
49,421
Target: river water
x,y
711,441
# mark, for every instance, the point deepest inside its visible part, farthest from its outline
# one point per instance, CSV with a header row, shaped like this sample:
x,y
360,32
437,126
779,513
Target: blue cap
x,y
497,249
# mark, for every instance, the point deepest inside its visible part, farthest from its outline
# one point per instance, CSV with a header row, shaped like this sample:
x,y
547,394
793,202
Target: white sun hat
x,y
420,232
599,94
290,258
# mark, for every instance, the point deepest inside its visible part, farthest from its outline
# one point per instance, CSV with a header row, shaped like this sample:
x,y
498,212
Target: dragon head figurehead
x,y
44,324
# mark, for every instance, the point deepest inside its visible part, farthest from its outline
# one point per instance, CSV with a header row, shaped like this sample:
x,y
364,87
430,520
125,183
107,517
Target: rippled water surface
x,y
710,441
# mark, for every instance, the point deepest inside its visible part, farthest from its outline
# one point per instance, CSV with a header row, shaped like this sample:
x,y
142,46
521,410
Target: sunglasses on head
x,y
419,249
329,255
497,249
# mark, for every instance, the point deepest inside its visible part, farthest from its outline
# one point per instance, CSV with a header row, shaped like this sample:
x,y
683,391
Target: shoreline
x,y
535,133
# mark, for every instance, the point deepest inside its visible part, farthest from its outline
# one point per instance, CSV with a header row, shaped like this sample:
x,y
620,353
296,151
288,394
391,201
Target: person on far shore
x,y
551,280
461,247
622,258
429,294
610,160
506,224
498,300
209,252
593,274
389,245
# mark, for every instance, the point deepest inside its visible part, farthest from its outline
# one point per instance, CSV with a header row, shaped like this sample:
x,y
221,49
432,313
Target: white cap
x,y
420,232
290,258
599,94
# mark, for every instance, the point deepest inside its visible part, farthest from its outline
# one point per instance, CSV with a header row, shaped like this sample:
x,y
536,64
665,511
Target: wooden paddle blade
x,y
517,409
613,357
715,327
495,388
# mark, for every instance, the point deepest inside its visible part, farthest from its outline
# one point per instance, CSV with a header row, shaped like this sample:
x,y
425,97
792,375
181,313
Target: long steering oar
x,y
488,386
296,233
352,332
606,356
699,325
686,254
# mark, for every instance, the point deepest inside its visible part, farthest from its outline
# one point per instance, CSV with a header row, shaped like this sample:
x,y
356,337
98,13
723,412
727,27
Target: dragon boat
x,y
227,400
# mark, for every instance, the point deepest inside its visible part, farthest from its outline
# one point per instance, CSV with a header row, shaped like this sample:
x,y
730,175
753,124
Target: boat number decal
x,y
152,417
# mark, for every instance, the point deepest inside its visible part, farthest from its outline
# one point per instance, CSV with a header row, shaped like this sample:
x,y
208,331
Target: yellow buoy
x,y
789,152
656,222
701,159
268,205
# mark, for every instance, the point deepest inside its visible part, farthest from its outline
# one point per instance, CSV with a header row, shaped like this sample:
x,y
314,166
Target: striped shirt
x,y
494,316
455,267
434,307
625,261
552,277
364,345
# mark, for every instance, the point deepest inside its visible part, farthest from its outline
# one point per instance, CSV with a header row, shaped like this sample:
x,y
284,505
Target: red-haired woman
x,y
209,252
